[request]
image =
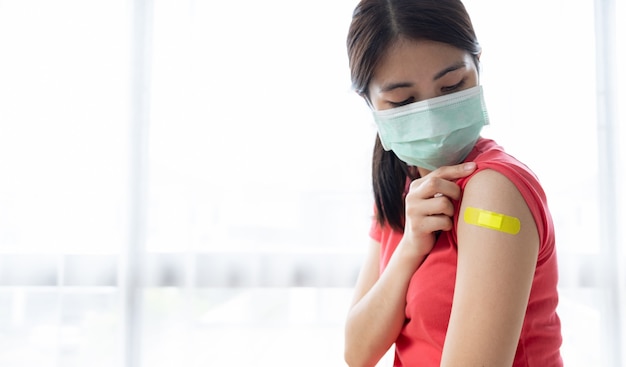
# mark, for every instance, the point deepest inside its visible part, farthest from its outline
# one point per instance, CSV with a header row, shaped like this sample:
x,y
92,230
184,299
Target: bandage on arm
x,y
492,220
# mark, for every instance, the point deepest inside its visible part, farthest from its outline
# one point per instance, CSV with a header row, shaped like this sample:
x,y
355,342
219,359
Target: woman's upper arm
x,y
494,276
369,272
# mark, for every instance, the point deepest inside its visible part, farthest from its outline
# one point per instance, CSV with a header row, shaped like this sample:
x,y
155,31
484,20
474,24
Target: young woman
x,y
462,269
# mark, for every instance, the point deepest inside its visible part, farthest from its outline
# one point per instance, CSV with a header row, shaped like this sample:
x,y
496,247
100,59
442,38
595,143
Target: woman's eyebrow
x,y
391,86
453,67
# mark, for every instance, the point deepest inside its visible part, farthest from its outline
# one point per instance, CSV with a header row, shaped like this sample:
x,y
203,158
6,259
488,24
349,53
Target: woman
x,y
461,269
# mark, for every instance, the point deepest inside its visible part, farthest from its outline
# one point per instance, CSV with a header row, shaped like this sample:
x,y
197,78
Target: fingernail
x,y
469,166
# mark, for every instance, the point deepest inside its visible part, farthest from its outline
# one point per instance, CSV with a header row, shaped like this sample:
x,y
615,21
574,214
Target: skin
x,y
494,269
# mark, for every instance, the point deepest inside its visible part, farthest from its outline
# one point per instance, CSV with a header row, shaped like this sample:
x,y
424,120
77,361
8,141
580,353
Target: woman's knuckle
x,y
430,183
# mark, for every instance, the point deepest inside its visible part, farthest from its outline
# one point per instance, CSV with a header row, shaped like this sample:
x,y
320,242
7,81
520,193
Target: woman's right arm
x,y
377,313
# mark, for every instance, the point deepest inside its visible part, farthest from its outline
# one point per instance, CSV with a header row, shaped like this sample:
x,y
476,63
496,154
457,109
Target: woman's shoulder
x,y
488,155
497,176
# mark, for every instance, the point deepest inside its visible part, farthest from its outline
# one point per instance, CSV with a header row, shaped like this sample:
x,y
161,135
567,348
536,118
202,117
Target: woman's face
x,y
413,71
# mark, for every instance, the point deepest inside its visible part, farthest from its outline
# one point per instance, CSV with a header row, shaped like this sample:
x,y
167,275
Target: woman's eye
x,y
452,88
405,102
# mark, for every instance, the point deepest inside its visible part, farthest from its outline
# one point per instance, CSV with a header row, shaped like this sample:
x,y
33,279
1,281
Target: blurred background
x,y
187,182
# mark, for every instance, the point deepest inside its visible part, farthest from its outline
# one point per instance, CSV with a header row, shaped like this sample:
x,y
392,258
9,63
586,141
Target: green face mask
x,y
436,132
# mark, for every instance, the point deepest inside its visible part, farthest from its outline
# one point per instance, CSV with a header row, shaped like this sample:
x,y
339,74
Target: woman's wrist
x,y
408,253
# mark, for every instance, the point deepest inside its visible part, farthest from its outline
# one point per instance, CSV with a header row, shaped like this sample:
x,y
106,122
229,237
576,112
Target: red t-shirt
x,y
429,297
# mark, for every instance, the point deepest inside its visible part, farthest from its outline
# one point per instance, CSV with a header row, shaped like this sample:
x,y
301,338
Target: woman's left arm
x,y
494,275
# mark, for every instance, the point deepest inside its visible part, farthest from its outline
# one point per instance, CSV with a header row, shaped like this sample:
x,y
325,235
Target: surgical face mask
x,y
436,132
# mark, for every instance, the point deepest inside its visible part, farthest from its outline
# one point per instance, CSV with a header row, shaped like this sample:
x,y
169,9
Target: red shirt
x,y
429,297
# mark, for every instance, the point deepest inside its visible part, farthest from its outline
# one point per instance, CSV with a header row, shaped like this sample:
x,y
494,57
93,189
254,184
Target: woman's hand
x,y
429,207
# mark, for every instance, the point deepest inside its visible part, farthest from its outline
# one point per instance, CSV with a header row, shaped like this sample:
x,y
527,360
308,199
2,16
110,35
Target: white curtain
x,y
187,182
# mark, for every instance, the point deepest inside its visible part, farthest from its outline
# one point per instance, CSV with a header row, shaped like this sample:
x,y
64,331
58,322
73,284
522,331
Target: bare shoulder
x,y
492,188
495,221
492,197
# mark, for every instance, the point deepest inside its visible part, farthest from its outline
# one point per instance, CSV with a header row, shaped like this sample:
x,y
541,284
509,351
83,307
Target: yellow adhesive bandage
x,y
491,220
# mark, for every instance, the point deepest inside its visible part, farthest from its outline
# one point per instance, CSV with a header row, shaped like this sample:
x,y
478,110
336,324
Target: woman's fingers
x,y
434,205
454,172
429,206
440,181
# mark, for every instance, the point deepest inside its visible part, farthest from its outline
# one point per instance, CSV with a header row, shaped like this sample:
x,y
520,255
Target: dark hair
x,y
376,25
